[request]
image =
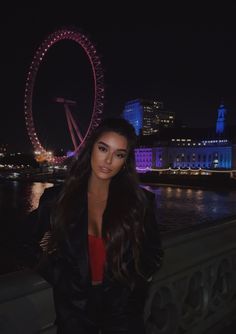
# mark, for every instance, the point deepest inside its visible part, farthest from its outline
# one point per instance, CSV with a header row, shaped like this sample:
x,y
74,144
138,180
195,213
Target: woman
x,y
105,244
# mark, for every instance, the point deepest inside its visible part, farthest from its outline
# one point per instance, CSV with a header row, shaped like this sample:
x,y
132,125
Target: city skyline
x,y
188,66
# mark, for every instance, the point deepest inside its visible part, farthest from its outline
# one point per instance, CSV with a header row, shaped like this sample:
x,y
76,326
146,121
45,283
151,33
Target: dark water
x,y
177,208
17,199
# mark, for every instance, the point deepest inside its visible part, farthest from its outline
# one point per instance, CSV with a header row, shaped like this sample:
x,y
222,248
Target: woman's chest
x,y
95,216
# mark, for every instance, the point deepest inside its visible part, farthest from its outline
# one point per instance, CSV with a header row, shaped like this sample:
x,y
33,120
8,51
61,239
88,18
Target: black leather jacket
x,y
67,269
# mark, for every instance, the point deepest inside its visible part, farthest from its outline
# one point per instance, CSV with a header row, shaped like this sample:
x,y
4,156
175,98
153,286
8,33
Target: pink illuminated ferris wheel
x,y
97,106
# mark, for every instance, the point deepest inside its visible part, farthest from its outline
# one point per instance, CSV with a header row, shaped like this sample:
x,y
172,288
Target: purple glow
x,y
205,155
143,158
70,154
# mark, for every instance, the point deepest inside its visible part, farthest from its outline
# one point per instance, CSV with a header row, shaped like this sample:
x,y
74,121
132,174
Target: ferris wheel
x,y
98,87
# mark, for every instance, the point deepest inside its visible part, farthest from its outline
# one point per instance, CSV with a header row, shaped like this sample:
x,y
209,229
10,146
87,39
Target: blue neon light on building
x,y
133,113
206,154
220,123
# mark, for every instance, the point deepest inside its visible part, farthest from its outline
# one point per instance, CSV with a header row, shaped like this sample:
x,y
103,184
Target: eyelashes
x,y
118,155
102,148
121,155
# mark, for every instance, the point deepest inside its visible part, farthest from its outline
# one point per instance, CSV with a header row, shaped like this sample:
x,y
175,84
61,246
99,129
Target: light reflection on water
x,y
178,207
17,199
35,194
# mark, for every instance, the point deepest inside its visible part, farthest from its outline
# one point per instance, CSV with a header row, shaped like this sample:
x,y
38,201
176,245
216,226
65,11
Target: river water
x,y
177,208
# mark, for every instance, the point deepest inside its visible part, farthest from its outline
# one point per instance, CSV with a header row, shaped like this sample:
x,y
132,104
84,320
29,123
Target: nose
x,y
109,158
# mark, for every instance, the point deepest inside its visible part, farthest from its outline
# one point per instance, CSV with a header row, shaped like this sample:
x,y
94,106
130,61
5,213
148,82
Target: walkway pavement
x,y
229,329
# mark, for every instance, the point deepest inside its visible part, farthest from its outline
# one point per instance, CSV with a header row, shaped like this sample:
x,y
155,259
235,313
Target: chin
x,y
101,176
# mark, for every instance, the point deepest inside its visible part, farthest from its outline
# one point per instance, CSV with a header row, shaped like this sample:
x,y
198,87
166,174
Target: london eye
x,y
77,137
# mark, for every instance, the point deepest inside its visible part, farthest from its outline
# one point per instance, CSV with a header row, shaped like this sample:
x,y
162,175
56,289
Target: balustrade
x,y
193,293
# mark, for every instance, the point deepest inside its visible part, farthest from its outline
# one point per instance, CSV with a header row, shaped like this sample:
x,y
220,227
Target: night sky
x,y
185,59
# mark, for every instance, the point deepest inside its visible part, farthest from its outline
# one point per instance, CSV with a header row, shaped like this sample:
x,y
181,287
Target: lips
x,y
105,170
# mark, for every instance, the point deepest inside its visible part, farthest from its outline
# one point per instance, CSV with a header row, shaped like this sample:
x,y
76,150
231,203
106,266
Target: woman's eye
x,y
121,155
102,148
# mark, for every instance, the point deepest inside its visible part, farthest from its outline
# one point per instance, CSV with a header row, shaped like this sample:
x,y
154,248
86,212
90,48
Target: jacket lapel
x,y
77,240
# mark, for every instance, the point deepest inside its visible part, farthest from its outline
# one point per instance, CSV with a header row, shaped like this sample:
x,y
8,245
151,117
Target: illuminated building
x,y
178,148
148,116
185,153
181,148
220,123
133,113
144,158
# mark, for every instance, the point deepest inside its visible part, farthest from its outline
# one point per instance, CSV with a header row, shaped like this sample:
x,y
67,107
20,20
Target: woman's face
x,y
108,155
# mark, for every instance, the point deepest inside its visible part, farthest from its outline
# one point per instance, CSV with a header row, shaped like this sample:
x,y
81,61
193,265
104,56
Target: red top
x,y
97,257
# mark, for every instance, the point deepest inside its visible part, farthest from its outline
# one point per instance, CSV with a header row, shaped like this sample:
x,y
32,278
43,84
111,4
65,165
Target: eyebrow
x,y
119,149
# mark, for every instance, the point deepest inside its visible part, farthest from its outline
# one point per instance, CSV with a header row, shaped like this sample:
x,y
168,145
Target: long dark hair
x,y
124,214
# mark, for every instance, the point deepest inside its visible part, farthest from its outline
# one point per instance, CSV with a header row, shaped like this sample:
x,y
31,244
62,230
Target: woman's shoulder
x,y
149,195
50,194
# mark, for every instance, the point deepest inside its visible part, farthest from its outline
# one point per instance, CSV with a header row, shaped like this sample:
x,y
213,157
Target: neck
x,y
98,187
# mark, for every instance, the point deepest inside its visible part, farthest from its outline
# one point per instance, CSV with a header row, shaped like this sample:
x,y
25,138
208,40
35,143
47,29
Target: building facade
x,y
148,116
185,153
185,147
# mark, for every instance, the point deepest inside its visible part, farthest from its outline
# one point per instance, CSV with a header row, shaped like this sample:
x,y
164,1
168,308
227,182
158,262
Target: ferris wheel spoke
x,y
75,126
71,130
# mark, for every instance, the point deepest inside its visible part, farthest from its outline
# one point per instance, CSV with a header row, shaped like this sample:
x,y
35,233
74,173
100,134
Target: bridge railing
x,y
193,293
26,304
